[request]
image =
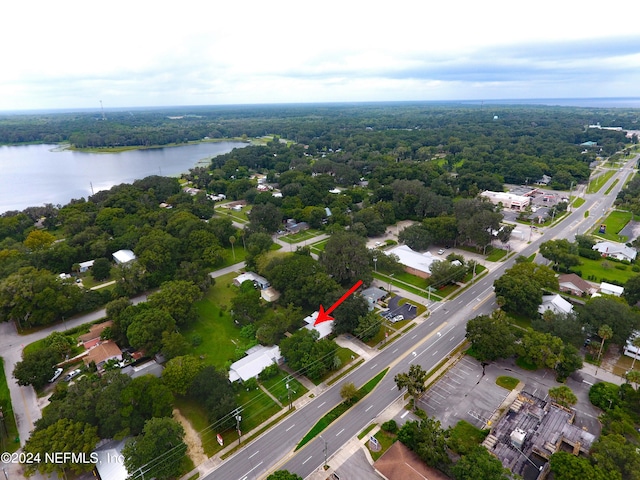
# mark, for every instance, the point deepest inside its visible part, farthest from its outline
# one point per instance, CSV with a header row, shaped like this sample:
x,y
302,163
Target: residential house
x,y
610,289
324,329
631,350
122,257
258,281
102,353
415,263
616,250
92,338
258,358
147,368
110,464
556,304
373,295
575,285
85,266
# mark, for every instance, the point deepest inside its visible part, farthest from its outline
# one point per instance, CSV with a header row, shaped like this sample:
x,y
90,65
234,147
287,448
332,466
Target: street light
x,y
390,278
325,450
375,264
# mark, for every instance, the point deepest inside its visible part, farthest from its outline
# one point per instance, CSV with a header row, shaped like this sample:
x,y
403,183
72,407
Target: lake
x,y
32,175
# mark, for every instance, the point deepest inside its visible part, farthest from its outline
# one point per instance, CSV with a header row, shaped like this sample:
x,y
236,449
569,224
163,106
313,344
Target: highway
x,y
427,344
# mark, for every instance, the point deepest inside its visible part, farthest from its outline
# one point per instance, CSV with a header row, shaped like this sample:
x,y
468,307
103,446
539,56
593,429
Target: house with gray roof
x,y
616,250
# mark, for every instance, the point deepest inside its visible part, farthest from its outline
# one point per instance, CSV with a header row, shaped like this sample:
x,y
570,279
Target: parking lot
x,y
465,392
468,391
407,311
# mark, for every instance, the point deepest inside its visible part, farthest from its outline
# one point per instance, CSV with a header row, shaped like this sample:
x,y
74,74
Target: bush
x,y
250,384
391,426
269,372
604,395
196,340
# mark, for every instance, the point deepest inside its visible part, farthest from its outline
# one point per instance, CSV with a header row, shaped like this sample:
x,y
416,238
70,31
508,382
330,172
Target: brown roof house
x,y
575,285
400,463
91,339
102,353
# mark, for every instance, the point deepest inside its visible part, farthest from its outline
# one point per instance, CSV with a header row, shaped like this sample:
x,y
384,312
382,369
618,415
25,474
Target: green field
x,y
318,247
257,407
602,270
615,222
8,433
214,327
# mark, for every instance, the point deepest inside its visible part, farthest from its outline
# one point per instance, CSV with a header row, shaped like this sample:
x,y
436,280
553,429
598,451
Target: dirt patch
x,y
192,439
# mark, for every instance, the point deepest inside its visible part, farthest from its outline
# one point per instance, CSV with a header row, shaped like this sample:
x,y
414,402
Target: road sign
x,y
220,441
373,440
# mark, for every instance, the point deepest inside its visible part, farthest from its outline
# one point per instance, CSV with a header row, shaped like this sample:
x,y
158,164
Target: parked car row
x,y
68,377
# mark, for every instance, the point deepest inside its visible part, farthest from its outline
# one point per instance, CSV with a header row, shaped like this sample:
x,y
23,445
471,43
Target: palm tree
x,y
232,240
605,333
636,343
633,376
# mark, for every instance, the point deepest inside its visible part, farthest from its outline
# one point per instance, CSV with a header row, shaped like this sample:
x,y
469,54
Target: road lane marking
x,y
434,353
290,427
254,454
483,300
431,323
404,414
370,407
321,404
373,366
339,432
414,336
395,351
246,475
452,339
310,457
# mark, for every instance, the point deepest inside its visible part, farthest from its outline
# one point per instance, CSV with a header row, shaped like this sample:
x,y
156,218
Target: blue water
x,y
33,175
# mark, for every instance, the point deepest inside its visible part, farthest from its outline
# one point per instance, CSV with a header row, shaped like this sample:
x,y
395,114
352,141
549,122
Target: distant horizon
x,y
632,102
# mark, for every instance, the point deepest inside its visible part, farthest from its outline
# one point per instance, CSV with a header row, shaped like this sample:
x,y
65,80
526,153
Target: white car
x,y
70,376
397,318
57,373
441,251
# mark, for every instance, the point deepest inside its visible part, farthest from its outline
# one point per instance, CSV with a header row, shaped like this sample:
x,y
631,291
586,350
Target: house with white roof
x,y
85,266
258,358
631,350
415,263
324,329
258,280
610,289
556,304
122,257
616,250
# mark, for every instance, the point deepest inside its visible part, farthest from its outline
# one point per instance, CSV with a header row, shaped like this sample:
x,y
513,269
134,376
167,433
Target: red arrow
x,y
324,316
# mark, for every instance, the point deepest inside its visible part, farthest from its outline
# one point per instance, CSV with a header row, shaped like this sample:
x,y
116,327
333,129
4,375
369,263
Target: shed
x,y
270,294
610,289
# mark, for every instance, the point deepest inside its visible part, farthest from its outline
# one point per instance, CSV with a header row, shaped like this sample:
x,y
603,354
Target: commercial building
x,y
507,200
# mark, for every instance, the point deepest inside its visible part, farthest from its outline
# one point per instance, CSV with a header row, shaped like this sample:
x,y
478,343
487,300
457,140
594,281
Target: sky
x,y
137,53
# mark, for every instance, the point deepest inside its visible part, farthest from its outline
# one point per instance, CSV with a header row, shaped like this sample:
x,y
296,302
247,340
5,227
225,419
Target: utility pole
x,y
289,393
238,419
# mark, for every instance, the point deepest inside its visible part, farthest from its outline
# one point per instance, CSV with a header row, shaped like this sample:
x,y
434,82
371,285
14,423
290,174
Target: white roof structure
x,y
124,256
411,258
610,289
251,277
631,350
108,464
555,303
258,358
616,250
324,328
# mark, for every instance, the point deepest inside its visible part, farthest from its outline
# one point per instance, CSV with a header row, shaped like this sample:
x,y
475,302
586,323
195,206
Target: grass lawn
x,y
257,407
520,320
318,247
465,436
277,386
385,439
604,270
8,442
597,183
522,363
300,236
240,216
496,255
615,182
507,382
345,355
229,258
615,222
218,335
578,202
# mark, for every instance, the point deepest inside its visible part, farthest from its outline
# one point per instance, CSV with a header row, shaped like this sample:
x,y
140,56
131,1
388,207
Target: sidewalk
x,y
601,374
